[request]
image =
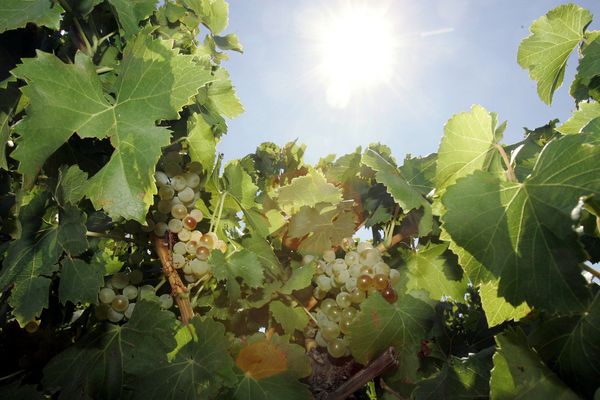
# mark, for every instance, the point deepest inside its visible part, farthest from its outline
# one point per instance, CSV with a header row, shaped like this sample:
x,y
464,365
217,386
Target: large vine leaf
x,y
428,269
17,13
398,187
580,118
201,141
519,373
200,369
222,97
277,387
522,232
325,226
497,309
80,281
459,378
307,190
154,82
380,324
290,318
571,346
243,264
102,363
131,12
213,13
420,172
545,52
31,260
467,146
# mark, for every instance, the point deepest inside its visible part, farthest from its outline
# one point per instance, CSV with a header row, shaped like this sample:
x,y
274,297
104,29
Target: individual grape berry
x,y
161,178
320,340
380,281
179,248
189,222
351,258
187,268
119,280
186,195
364,282
130,292
336,348
184,235
136,276
355,270
335,314
329,255
129,310
202,253
362,246
197,215
366,270
350,284
330,331
120,303
381,268
389,294
369,257
178,260
175,225
106,295
341,277
319,294
347,244
146,292
349,313
343,300
192,179
166,301
178,211
221,246
394,276
327,305
113,315
164,206
195,236
166,192
195,167
209,240
323,282
345,325
190,247
200,268
190,278
307,259
178,182
357,296
172,169
160,229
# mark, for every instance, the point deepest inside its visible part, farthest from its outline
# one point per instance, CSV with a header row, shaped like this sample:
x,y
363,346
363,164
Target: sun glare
x,y
357,48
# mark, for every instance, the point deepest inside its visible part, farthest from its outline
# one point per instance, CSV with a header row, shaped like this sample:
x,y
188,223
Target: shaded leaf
x,y
497,309
300,278
308,190
290,318
80,281
17,13
131,12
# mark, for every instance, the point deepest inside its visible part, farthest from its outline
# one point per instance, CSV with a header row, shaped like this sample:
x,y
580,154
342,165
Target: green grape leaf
x,y
571,346
200,369
154,82
101,364
380,324
9,98
512,227
290,318
201,141
344,168
467,146
459,378
243,264
71,185
222,97
72,230
428,269
497,309
518,372
239,185
325,226
420,172
263,250
476,272
589,64
281,386
580,118
307,190
17,13
80,281
553,38
213,13
229,42
301,278
131,12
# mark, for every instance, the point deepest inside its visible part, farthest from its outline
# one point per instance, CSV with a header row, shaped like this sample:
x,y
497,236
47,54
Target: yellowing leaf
x,y
261,360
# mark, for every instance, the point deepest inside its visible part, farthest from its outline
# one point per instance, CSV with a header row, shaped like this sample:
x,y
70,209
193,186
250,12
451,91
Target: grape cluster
x,y
342,284
118,296
174,211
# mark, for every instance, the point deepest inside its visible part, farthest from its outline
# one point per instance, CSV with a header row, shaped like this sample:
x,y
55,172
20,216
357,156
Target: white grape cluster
x,y
118,296
342,284
175,212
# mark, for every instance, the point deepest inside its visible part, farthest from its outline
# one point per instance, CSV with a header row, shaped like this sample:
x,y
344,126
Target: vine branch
x,y
178,289
591,270
373,370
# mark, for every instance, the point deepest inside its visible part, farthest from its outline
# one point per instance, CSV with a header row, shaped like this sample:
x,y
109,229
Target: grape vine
x,y
137,264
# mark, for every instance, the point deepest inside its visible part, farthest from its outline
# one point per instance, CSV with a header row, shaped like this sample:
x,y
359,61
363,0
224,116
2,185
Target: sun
x,y
356,51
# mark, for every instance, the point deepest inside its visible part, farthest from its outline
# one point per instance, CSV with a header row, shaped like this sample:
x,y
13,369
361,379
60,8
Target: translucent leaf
x,y
242,264
261,360
153,83
290,318
200,370
201,141
214,13
518,372
545,52
420,172
229,42
580,118
131,12
222,96
17,13
80,281
308,190
497,309
300,278
521,232
101,364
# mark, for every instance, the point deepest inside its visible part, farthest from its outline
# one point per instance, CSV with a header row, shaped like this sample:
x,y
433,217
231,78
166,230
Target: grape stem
x,y
179,291
510,173
373,370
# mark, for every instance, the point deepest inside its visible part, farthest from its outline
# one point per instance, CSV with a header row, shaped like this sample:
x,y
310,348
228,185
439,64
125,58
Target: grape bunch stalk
x,y
343,282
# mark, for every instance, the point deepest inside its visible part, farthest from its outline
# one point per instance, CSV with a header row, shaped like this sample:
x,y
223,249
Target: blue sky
x,y
449,54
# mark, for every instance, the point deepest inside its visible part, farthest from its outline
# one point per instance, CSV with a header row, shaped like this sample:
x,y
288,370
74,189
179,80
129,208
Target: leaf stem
x,y
510,173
